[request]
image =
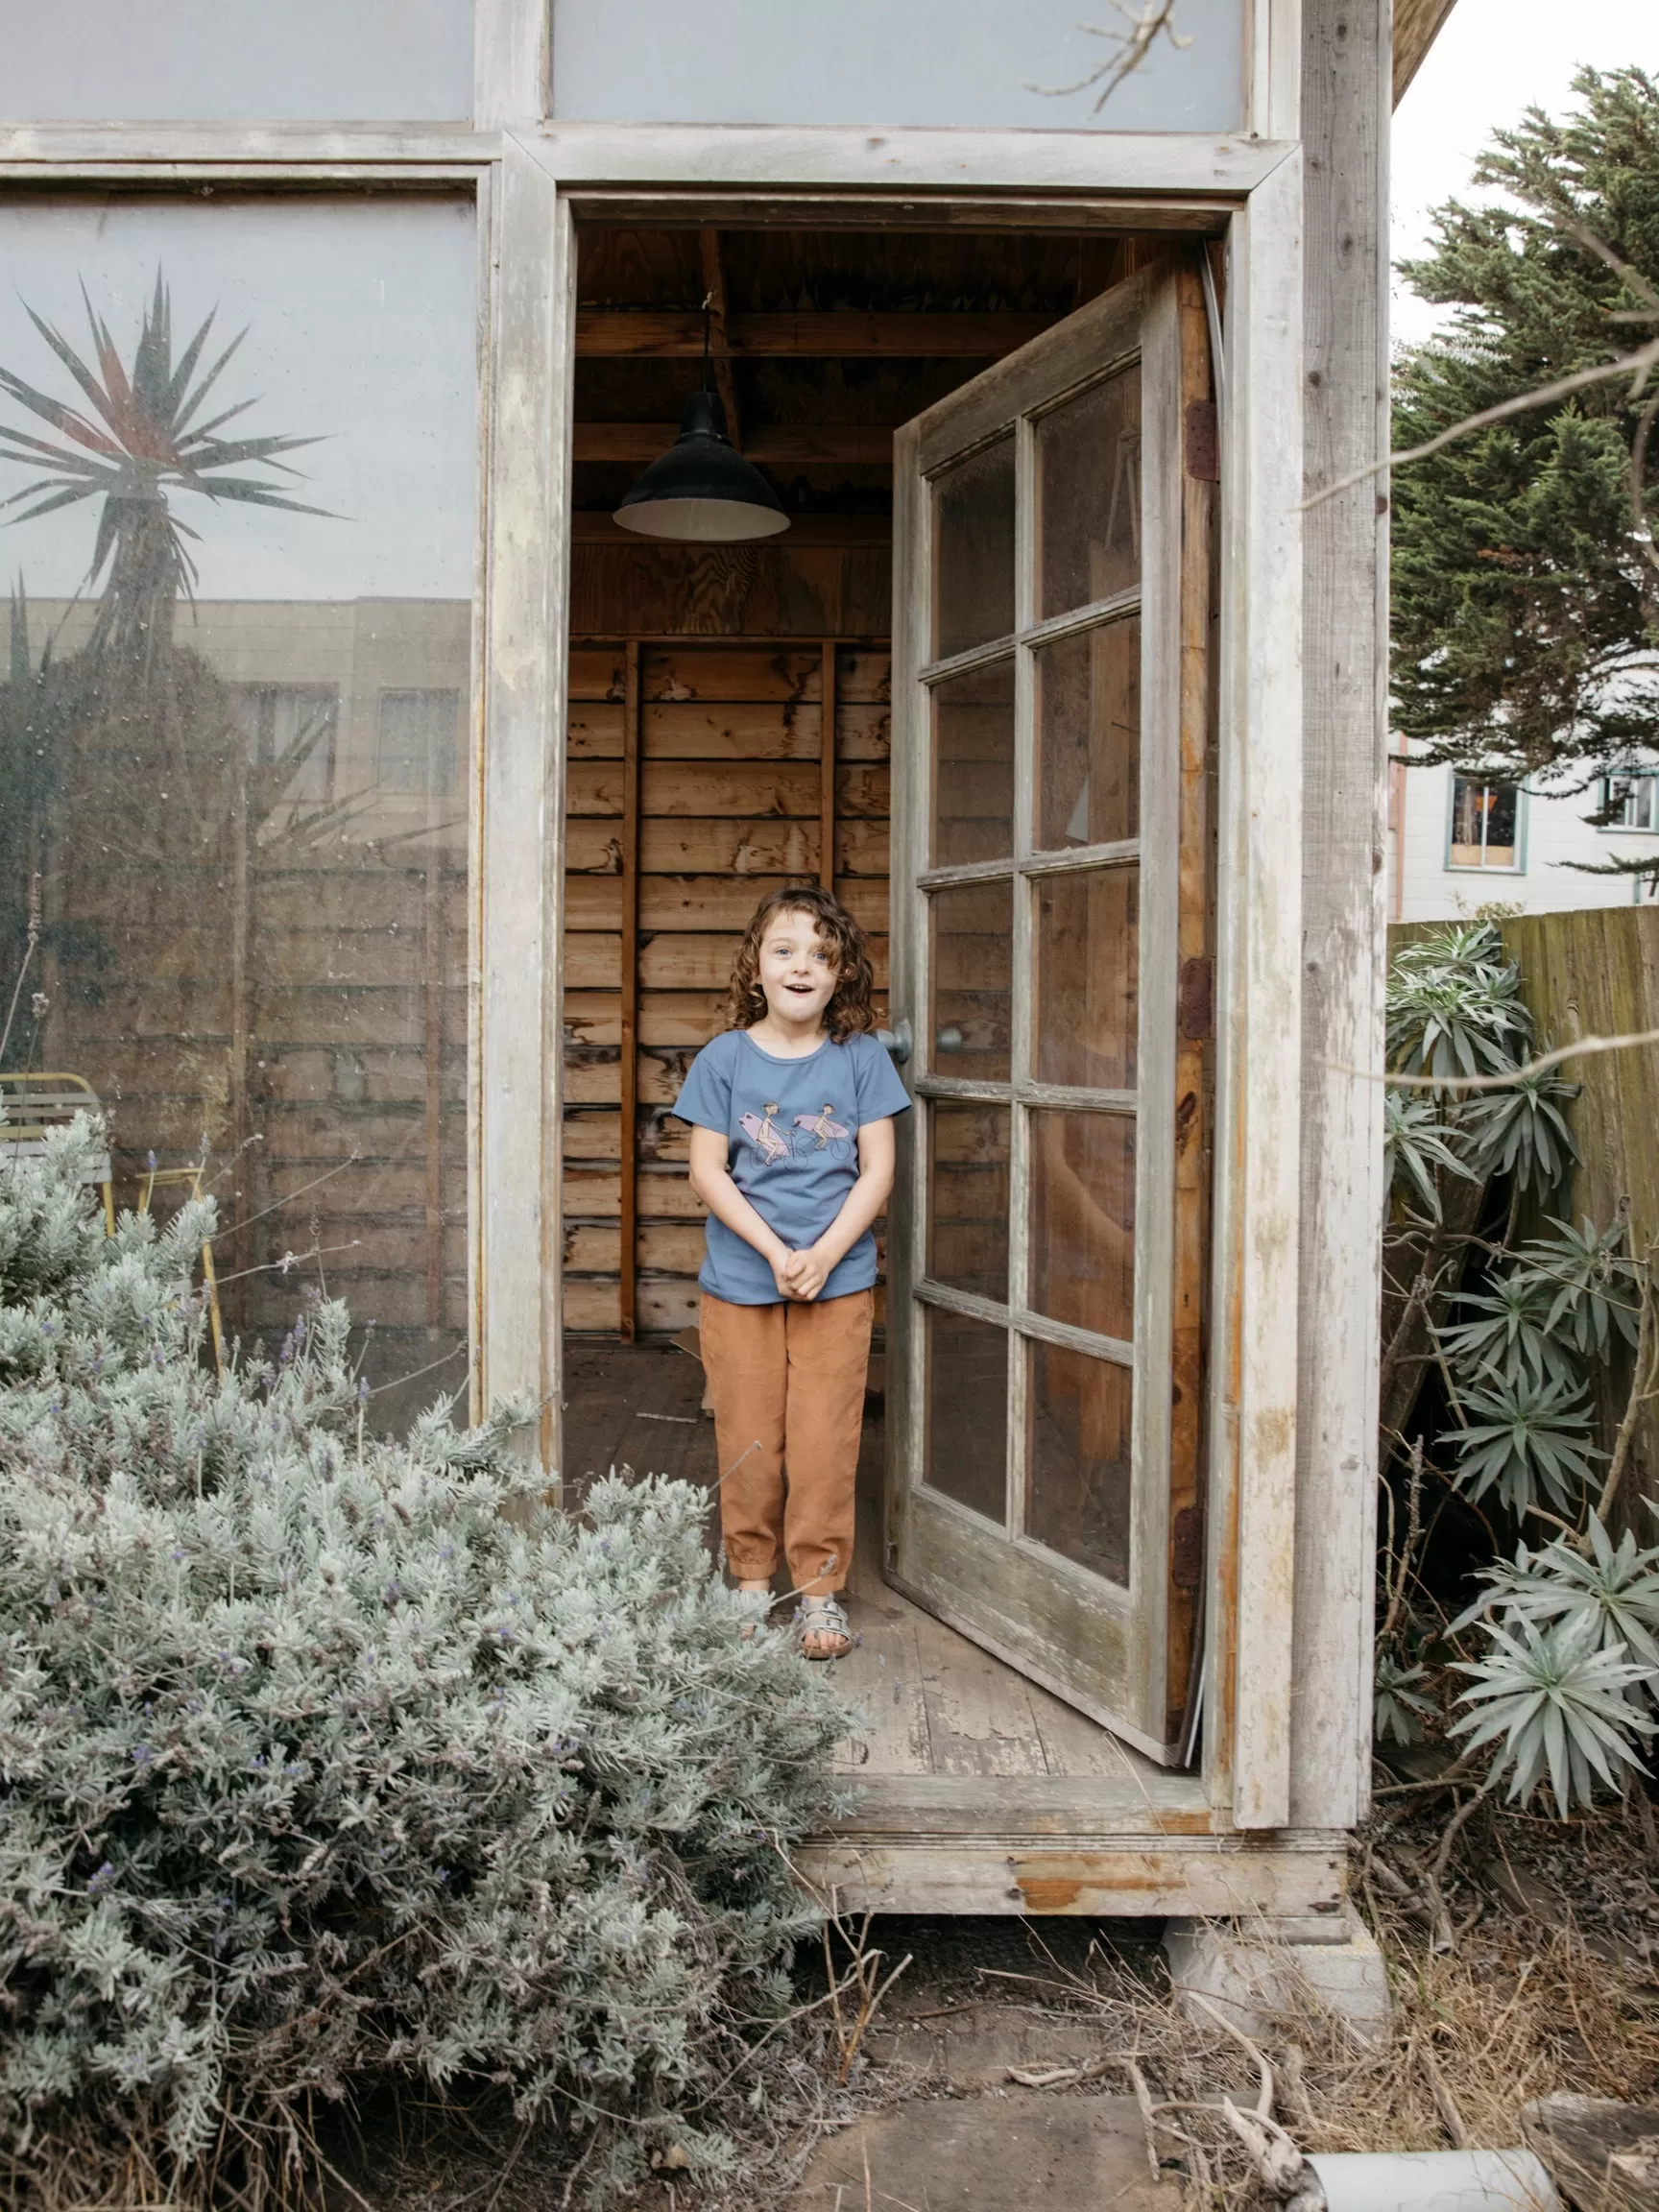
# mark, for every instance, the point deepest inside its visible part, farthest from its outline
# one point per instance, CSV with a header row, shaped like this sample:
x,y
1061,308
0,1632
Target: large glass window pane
x,y
974,551
1089,738
973,767
232,774
972,968
967,1405
1088,977
1083,1220
233,61
954,64
1080,1494
967,1196
1089,496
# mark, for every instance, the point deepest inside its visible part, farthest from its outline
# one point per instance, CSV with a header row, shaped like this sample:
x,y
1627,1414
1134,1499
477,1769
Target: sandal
x,y
822,1622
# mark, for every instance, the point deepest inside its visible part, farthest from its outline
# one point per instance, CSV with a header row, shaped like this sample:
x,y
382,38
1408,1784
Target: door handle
x,y
897,1041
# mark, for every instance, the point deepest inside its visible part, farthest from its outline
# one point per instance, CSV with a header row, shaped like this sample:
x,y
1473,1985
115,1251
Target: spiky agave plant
x,y
136,445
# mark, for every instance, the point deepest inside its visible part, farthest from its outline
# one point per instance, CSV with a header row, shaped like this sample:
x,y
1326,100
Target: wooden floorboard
x,y
934,1703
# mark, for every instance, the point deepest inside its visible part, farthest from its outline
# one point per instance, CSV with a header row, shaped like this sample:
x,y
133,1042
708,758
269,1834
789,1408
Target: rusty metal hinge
x,y
1187,1549
1203,441
1195,999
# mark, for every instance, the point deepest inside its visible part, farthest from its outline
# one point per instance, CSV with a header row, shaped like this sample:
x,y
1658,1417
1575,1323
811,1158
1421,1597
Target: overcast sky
x,y
1493,59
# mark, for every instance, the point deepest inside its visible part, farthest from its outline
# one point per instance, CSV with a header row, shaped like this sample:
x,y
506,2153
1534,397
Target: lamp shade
x,y
702,490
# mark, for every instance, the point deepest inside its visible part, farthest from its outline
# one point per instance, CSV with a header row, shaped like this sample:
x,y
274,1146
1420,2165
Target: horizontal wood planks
x,y
817,580
734,788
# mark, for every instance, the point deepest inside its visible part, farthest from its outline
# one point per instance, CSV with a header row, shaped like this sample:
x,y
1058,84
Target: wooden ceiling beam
x,y
801,445
678,333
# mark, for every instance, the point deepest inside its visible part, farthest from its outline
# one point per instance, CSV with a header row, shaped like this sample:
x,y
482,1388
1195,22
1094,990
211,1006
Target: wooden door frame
x,y
1250,1457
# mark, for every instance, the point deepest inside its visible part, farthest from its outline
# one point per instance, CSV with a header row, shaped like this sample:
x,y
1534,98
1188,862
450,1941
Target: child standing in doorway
x,y
792,1148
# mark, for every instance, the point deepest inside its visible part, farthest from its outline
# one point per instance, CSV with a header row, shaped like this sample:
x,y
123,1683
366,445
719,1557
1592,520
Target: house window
x,y
1485,824
291,730
1630,800
416,740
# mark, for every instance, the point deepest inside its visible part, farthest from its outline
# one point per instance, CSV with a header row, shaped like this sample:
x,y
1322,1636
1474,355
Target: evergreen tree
x,y
1526,583
317,1765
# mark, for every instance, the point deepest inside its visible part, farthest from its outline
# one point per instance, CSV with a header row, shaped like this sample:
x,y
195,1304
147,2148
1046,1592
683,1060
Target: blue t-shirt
x,y
791,1129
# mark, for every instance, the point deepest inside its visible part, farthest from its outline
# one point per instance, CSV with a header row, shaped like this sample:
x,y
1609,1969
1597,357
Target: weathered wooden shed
x,y
399,822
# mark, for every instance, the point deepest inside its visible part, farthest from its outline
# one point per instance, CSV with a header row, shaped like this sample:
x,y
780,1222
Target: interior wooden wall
x,y
697,783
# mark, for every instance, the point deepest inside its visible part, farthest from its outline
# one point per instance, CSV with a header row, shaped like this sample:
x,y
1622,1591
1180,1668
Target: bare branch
x,y
1635,365
1585,1045
1131,48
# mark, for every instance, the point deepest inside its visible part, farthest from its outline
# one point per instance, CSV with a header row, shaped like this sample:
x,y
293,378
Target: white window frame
x,y
1630,778
1484,866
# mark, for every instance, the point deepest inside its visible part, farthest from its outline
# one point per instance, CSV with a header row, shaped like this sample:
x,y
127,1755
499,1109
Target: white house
x,y
1459,842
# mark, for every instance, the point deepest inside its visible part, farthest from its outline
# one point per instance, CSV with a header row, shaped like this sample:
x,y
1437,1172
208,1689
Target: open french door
x,y
1052,533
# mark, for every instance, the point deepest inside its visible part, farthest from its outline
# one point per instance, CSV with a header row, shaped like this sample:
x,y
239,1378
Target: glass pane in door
x,y
967,1406
1080,1488
973,767
972,963
974,550
1087,978
1089,496
1089,738
1083,1220
967,1196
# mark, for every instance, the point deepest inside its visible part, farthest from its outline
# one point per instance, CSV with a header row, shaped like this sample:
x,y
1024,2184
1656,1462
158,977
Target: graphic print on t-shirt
x,y
765,1133
828,1136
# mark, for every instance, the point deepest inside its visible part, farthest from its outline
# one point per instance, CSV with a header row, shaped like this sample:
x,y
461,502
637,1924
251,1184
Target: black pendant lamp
x,y
702,490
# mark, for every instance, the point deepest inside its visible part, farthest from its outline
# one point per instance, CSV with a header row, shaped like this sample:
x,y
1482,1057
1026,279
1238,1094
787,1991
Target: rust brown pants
x,y
787,1382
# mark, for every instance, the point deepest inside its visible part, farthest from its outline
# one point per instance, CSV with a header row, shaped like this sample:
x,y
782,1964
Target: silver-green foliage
x,y
323,1756
1612,1587
1418,1148
1509,1336
1521,1131
1571,1665
1553,1701
1455,1007
1526,1440
1595,1287
1401,1702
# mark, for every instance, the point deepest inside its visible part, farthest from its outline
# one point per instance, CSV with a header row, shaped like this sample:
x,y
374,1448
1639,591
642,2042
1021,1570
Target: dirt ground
x,y
1037,2065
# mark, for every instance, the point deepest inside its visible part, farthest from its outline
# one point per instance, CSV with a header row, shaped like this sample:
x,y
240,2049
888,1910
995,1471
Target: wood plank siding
x,y
734,793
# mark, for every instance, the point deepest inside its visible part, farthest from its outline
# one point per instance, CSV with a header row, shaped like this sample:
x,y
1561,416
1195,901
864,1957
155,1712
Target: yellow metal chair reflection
x,y
36,1104
191,1178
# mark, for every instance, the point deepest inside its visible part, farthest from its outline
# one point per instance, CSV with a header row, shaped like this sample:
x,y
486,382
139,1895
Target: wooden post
x,y
432,1071
827,773
515,1262
628,1145
1343,783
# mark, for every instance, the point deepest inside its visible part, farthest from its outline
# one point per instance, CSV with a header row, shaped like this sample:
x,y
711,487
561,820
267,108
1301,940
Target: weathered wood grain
x,y
1345,647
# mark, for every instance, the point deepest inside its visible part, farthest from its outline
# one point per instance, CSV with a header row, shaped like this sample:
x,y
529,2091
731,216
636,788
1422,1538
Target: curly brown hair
x,y
849,1010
